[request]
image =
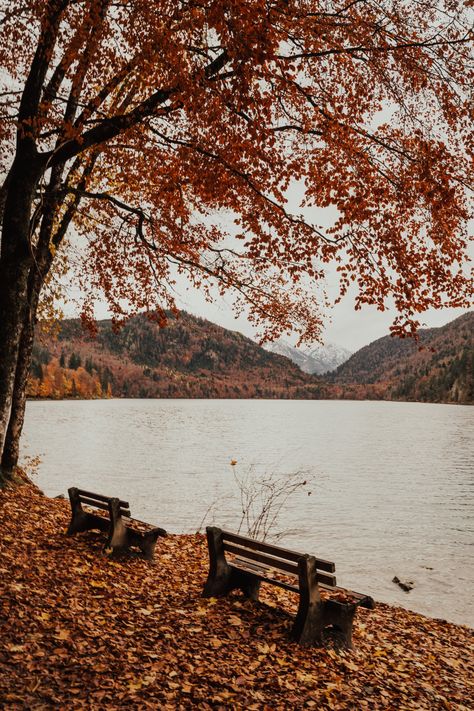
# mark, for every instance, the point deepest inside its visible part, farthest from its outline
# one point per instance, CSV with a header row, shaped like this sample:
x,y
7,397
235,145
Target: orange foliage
x,y
80,631
190,358
156,117
57,383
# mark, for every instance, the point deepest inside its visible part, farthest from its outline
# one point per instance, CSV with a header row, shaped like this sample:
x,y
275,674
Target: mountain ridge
x,y
191,357
194,358
438,367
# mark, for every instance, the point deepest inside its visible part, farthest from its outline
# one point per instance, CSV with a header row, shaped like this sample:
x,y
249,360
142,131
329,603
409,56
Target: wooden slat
x,y
92,502
325,580
276,551
261,546
101,497
268,561
102,505
328,581
327,565
248,564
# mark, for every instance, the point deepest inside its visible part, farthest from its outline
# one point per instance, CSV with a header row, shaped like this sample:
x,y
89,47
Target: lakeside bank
x,y
82,631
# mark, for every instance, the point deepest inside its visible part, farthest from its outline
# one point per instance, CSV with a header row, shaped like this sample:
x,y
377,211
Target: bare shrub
x,y
263,498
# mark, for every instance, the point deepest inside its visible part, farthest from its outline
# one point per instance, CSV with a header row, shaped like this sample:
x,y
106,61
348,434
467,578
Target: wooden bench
x,y
122,530
237,562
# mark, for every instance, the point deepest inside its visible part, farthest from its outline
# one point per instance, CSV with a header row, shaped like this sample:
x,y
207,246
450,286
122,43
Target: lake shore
x,y
82,631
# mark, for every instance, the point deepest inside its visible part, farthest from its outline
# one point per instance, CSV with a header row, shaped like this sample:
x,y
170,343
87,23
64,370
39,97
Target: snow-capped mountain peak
x,y
315,359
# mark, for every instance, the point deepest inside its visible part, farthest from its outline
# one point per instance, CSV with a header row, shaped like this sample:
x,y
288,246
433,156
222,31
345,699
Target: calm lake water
x,y
392,484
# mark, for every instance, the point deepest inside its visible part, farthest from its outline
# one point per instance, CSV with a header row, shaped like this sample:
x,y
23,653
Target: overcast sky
x,y
344,326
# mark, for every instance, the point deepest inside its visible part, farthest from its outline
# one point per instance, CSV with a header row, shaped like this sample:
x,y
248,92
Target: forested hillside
x,y
194,358
437,368
191,357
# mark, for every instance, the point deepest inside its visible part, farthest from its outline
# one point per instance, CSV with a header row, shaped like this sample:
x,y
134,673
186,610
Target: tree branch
x,y
363,48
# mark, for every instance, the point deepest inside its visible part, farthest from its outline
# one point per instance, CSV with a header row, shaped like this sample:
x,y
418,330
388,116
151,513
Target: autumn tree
x,y
147,125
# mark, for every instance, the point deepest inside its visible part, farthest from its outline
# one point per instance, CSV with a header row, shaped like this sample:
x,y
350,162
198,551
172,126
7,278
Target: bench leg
x,y
248,583
341,616
79,518
118,537
219,580
83,520
314,614
147,542
309,623
223,577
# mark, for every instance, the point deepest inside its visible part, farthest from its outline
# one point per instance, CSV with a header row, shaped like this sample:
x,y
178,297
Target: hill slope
x,y
191,357
439,368
194,358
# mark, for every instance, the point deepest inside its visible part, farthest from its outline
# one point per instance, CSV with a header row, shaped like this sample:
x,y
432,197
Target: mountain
x,y
317,359
437,368
191,357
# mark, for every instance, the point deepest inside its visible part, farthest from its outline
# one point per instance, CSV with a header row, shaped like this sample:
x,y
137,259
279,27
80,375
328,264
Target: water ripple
x,y
392,483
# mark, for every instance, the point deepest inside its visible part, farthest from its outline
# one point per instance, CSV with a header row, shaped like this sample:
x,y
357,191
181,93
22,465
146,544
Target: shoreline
x,y
266,399
83,631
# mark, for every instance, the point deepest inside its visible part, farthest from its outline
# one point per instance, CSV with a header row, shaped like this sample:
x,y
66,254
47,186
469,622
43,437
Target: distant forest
x,y
193,358
439,367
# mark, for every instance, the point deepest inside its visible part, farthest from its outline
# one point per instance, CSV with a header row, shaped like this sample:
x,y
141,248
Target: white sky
x,y
344,326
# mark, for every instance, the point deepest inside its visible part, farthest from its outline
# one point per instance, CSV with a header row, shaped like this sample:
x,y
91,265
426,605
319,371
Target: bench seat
x,y
239,562
122,531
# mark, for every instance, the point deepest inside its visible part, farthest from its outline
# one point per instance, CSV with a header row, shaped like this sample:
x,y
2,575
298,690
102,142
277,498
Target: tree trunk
x,y
11,448
12,310
16,260
40,267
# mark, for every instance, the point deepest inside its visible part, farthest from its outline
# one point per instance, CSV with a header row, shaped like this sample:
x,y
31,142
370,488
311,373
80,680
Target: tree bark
x,y
11,448
38,273
12,311
39,269
16,261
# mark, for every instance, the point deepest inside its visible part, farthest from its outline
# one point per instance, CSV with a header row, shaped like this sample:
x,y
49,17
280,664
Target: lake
x,y
390,486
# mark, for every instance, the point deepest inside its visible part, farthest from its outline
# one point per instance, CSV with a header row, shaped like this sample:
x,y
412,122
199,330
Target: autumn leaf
x,y
63,634
133,687
102,650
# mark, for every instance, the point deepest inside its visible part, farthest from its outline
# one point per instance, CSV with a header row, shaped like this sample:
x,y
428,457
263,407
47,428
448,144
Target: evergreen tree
x,y
89,366
74,361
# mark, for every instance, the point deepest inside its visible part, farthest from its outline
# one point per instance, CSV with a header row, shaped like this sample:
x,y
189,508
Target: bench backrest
x,y
99,501
258,553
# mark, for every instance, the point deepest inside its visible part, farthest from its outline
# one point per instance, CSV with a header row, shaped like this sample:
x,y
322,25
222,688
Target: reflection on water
x,y
392,491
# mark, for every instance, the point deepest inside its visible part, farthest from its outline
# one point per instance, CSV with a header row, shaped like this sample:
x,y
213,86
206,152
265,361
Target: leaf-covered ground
x,y
79,631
